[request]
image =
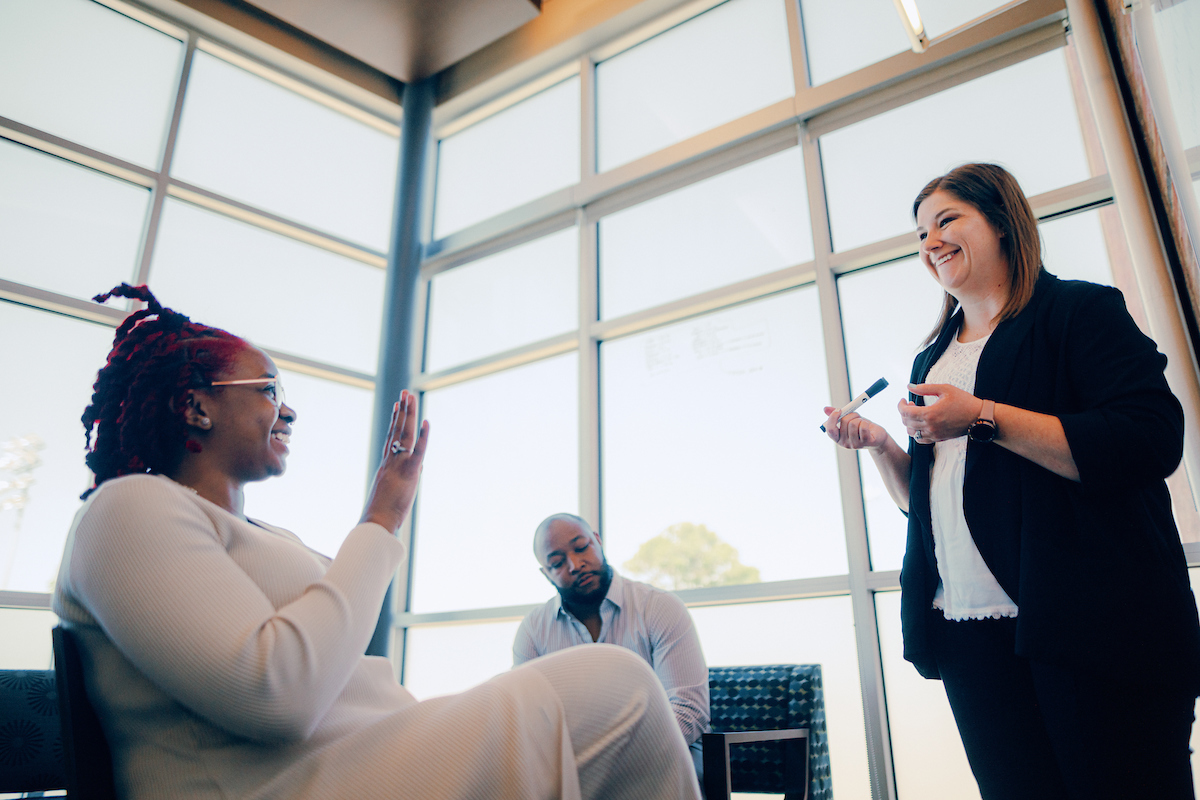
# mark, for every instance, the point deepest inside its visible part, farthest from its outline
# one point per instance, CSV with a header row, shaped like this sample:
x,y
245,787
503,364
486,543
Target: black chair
x,y
769,732
86,757
31,747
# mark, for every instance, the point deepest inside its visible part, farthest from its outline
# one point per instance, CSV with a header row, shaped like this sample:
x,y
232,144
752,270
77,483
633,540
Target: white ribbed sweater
x,y
224,660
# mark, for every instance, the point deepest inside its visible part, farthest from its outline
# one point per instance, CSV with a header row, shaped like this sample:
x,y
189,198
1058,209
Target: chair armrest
x,y
716,760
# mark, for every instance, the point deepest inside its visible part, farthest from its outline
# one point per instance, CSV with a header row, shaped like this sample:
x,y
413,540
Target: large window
x,y
715,68
699,429
508,450
646,267
736,225
874,168
64,227
510,158
89,75
272,220
648,342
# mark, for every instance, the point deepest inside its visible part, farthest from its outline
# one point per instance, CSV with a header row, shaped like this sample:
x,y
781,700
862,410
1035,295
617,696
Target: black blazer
x,y
1096,567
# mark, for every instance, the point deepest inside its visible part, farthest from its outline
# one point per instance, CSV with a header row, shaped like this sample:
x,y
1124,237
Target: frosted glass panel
x,y
320,497
847,35
47,379
886,313
434,662
1177,28
712,422
942,16
66,228
88,74
519,296
818,631
1074,248
515,156
503,456
742,223
1022,117
722,65
926,748
248,138
26,638
275,291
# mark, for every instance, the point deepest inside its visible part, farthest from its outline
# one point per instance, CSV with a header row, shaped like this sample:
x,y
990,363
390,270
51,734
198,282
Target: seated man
x,y
595,604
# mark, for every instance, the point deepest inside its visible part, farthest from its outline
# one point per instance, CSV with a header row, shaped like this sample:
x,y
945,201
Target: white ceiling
x,y
407,39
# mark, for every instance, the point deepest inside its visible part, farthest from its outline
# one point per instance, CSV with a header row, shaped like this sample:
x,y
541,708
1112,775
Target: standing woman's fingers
x,y
831,422
858,433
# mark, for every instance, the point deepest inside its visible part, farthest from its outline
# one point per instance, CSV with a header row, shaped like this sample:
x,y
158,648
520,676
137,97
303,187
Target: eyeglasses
x,y
272,386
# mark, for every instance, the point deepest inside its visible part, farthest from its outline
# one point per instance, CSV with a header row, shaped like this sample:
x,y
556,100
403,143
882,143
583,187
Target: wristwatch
x,y
984,428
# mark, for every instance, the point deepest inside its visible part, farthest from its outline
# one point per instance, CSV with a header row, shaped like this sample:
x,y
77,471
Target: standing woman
x,y
1043,581
225,659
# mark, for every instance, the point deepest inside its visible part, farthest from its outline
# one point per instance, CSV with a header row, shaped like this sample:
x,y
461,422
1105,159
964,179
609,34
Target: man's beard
x,y
575,597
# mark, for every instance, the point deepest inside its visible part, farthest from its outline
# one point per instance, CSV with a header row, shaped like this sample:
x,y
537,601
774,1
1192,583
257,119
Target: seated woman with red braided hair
x,y
225,659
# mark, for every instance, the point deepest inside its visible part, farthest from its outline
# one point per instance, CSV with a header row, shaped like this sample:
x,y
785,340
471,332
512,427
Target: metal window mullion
x,y
587,121
158,194
768,592
75,153
589,376
274,223
796,39
590,499
866,629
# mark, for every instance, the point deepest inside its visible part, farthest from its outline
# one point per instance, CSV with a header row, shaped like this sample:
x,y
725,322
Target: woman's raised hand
x,y
395,484
853,431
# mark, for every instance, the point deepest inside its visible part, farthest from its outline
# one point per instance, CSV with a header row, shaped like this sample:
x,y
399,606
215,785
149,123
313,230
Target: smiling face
x,y
572,559
248,434
960,248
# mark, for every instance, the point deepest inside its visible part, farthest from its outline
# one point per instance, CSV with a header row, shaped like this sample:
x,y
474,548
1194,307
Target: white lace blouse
x,y
967,589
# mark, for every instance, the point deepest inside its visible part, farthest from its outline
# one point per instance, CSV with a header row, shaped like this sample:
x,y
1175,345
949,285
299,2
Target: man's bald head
x,y
543,530
571,557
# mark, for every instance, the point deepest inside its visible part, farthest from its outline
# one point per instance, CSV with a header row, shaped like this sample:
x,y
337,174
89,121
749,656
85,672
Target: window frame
x,y
1014,33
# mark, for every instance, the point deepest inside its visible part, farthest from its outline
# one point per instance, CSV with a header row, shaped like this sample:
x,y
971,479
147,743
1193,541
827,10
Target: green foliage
x,y
689,556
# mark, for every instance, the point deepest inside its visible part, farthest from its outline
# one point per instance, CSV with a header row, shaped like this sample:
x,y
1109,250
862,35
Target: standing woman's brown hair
x,y
995,193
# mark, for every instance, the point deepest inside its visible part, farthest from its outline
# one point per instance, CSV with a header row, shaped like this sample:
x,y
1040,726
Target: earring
x,y
205,423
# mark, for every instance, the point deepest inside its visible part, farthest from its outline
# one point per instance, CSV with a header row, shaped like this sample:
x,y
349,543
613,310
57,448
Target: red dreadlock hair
x,y
139,399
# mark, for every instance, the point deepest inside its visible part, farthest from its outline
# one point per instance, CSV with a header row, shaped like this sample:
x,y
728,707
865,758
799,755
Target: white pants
x,y
626,741
587,723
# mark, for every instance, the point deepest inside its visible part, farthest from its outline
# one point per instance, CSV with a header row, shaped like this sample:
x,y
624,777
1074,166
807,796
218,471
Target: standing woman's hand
x,y
946,416
859,433
395,484
852,431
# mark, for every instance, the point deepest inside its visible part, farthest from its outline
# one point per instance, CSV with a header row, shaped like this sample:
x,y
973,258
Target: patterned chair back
x,y
764,698
31,746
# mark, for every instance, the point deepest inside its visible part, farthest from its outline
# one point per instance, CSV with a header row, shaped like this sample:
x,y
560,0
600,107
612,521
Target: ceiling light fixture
x,y
912,24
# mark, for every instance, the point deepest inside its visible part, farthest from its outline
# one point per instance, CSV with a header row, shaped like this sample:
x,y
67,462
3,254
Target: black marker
x,y
874,389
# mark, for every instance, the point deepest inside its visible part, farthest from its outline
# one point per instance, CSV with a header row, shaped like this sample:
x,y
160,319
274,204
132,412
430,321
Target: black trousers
x,y
1035,731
